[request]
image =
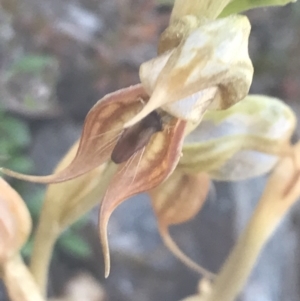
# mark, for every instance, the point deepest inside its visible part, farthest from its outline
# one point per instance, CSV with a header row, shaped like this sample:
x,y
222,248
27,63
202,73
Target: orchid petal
x,y
145,170
102,126
178,200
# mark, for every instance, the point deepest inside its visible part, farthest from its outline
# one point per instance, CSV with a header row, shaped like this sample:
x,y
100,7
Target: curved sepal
x,y
101,129
145,170
176,201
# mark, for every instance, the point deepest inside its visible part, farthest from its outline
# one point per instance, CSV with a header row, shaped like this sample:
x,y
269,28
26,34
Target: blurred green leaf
x,y
164,2
21,164
34,202
14,136
27,248
237,6
16,131
74,244
32,63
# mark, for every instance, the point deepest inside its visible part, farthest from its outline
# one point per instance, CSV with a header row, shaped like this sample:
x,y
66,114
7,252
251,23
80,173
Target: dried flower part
x,y
176,201
102,126
15,222
145,170
213,59
241,142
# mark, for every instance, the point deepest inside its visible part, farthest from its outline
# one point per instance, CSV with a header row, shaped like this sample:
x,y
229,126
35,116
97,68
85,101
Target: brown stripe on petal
x,y
101,130
143,171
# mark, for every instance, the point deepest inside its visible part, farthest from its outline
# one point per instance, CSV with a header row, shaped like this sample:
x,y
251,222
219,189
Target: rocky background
x,y
57,58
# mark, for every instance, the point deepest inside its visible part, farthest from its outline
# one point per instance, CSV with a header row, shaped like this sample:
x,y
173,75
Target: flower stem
x,y
271,209
53,221
209,9
19,282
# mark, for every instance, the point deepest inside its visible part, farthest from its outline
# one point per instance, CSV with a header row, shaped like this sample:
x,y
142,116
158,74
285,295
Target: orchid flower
x,y
243,141
199,80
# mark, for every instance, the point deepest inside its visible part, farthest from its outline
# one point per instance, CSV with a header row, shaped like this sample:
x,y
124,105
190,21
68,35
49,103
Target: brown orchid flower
x,y
141,128
146,153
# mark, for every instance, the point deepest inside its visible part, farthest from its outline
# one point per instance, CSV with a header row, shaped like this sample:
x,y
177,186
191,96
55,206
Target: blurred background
x,y
57,58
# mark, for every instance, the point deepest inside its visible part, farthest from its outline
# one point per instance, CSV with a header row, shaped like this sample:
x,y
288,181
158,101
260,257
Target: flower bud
x,y
15,222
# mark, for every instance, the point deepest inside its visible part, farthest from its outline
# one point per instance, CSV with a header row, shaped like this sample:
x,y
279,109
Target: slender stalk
x,y
45,237
241,261
282,191
19,282
209,9
54,219
74,211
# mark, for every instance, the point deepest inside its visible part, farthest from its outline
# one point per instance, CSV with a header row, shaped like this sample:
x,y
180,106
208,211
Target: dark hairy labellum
x,y
136,137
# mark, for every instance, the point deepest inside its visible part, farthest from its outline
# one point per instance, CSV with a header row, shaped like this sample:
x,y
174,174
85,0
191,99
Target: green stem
x,y
46,235
74,211
240,263
271,209
53,221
